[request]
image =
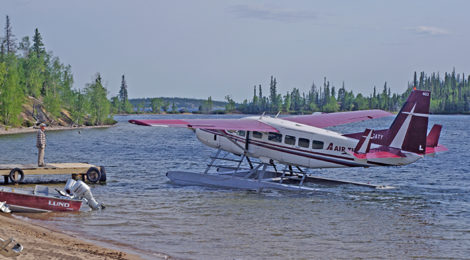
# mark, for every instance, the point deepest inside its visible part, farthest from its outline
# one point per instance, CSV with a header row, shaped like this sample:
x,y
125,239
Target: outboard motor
x,y
69,185
80,190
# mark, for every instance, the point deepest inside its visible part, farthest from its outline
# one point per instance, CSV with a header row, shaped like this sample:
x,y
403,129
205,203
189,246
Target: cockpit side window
x,y
289,139
258,135
275,137
317,144
303,142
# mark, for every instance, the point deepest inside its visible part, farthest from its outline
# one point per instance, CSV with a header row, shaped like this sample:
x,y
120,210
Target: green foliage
x,y
52,103
230,106
38,45
141,107
207,106
325,99
37,73
11,96
79,107
99,105
155,104
450,94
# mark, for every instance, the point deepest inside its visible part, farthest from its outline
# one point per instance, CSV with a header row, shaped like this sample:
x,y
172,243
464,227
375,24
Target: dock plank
x,y
50,168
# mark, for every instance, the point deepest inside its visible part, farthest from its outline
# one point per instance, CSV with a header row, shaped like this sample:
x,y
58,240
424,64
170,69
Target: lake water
x,y
426,216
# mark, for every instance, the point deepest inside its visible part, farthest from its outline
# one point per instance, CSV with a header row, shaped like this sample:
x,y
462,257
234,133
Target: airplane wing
x,y
339,118
214,124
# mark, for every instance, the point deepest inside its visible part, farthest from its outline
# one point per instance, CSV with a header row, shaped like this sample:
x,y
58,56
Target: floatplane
x,y
300,143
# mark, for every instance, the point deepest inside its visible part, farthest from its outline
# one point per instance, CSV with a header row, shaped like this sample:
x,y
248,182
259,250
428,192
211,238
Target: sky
x,y
216,48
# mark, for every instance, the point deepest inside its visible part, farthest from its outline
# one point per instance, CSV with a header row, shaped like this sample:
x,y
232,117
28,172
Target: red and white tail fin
x,y
408,130
363,146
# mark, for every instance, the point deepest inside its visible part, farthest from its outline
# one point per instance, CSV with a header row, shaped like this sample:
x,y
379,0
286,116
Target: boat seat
x,y
41,190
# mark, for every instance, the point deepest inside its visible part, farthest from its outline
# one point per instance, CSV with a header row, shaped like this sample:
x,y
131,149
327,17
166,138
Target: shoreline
x,y
24,130
43,243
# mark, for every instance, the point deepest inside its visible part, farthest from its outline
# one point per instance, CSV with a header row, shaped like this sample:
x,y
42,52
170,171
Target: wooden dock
x,y
87,172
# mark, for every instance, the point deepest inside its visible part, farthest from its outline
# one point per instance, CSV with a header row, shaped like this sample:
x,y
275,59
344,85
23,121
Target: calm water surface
x,y
426,216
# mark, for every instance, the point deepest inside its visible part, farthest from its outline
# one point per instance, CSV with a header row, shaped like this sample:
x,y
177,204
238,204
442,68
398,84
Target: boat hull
x,y
19,202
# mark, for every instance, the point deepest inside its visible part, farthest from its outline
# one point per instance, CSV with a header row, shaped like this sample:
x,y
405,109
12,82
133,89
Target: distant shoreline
x,y
23,130
283,114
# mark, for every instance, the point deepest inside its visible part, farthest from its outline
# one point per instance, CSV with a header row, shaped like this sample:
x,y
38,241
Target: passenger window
x,y
304,142
289,139
241,133
258,135
317,144
275,137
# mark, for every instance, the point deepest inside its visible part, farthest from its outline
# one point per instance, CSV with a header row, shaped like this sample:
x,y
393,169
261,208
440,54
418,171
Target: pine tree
x,y
38,45
123,90
273,95
2,51
9,39
125,105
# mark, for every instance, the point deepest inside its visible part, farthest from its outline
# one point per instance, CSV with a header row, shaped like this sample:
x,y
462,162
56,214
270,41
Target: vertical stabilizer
x,y
408,130
363,146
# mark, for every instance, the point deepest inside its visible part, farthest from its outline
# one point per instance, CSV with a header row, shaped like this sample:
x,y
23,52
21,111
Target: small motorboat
x,y
44,199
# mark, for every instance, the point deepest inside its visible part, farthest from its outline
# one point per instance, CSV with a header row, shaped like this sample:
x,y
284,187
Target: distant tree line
x,y
28,71
172,105
325,99
450,94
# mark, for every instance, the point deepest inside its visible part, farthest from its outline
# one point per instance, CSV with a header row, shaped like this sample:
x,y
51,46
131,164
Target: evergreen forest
x,y
450,94
31,76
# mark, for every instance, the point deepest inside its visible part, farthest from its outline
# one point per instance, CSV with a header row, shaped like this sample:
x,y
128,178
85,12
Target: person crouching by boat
x,y
41,144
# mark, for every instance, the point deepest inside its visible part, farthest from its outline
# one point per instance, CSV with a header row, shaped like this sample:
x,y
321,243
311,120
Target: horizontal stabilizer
x,y
380,153
435,149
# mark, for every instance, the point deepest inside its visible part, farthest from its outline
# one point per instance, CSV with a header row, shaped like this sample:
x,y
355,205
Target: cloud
x,y
429,30
271,13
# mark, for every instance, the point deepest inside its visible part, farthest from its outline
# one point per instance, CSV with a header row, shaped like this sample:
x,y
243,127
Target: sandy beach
x,y
42,243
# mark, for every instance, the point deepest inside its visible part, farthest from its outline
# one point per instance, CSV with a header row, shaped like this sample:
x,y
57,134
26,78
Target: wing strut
x,y
245,150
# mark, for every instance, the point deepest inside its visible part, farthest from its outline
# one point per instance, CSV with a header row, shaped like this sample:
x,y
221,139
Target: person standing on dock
x,y
41,144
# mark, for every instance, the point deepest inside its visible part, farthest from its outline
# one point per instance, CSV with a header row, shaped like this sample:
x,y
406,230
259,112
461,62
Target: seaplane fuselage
x,y
297,144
